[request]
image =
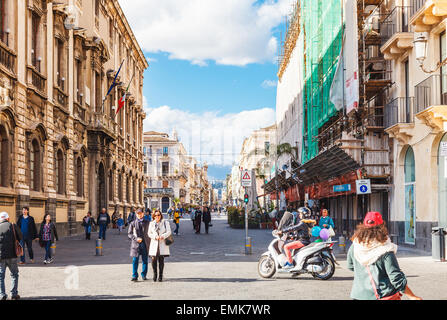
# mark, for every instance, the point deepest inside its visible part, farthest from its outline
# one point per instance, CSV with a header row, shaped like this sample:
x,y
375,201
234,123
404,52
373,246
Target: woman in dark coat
x,y
47,236
198,220
206,218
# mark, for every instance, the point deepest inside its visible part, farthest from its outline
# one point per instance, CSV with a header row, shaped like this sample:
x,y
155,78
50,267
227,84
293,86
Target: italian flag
x,y
122,101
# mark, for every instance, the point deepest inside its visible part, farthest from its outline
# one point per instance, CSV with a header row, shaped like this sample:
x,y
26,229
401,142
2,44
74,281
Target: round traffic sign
x,y
363,188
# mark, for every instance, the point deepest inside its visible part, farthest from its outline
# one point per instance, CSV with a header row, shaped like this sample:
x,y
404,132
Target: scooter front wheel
x,y
266,267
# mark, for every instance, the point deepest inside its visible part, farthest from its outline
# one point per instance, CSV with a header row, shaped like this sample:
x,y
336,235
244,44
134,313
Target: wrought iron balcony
x,y
37,81
399,110
61,98
165,191
395,22
428,93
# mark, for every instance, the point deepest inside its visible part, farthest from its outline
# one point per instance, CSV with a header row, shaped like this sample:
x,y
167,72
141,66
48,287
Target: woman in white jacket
x,y
159,230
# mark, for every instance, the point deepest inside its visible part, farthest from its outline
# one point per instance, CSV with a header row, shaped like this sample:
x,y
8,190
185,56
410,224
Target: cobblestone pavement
x,y
206,266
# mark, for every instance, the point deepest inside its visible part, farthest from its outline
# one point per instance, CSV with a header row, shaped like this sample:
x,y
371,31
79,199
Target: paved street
x,y
200,267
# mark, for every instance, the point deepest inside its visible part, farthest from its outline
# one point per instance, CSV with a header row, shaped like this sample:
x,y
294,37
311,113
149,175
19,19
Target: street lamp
x,y
421,48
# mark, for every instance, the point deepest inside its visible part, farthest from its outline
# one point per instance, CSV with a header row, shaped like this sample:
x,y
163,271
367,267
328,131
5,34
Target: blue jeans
x,y
177,227
102,231
47,246
14,269
142,251
29,244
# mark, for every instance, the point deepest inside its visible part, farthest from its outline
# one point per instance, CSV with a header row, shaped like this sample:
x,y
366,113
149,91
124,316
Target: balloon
x,y
324,234
316,231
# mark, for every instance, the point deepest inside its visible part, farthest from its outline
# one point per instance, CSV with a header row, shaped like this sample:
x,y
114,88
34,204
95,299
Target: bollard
x,y
99,247
248,246
342,243
53,249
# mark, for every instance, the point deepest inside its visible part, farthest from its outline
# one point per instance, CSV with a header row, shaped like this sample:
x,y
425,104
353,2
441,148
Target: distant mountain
x,y
218,172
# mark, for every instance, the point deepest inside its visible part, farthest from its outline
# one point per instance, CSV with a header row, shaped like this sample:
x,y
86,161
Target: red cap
x,y
373,219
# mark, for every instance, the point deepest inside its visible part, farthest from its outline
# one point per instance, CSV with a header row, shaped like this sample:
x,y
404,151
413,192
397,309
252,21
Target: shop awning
x,y
331,163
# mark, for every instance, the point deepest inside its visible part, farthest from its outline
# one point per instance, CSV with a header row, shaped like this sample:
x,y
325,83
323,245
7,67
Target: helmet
x,y
305,212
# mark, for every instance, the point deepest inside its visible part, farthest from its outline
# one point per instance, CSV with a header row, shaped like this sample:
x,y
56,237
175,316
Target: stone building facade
x,y
63,151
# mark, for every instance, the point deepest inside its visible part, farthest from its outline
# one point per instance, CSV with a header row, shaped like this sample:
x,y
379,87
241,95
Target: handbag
x,y
396,296
18,246
169,240
331,232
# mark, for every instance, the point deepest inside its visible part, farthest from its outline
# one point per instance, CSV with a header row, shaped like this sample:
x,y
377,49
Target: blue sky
x,y
180,84
212,74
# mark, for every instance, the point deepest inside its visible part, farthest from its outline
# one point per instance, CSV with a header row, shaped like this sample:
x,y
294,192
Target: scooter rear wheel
x,y
266,267
329,269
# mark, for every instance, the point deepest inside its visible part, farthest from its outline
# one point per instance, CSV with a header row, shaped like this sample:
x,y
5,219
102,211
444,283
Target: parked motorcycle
x,y
316,258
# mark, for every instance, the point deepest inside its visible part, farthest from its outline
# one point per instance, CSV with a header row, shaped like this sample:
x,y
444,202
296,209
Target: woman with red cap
x,y
372,257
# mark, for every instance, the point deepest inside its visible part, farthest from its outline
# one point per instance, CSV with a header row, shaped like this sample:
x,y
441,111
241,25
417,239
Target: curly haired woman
x,y
372,257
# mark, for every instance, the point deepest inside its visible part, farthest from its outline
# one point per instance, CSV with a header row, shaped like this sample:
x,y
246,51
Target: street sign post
x,y
247,244
363,186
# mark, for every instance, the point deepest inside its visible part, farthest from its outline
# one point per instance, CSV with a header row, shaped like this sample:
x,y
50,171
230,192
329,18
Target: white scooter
x,y
316,258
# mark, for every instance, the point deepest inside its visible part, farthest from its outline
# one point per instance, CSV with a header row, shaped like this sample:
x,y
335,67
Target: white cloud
x,y
268,84
229,32
211,137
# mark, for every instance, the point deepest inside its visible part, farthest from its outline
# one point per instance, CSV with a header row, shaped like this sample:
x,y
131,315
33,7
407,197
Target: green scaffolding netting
x,y
322,27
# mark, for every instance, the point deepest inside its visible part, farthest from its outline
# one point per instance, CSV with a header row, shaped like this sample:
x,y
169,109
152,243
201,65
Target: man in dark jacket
x,y
8,256
206,217
138,234
132,216
103,222
198,220
29,231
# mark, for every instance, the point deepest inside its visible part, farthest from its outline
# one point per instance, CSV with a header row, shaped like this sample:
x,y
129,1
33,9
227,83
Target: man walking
x,y
132,216
28,228
193,218
9,233
139,235
206,217
103,222
198,220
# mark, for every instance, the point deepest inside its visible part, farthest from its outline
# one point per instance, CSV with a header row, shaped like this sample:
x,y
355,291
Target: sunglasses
x,y
157,215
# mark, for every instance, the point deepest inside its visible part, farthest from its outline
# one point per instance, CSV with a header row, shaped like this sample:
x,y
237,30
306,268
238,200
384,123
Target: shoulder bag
x,y
18,246
169,240
396,296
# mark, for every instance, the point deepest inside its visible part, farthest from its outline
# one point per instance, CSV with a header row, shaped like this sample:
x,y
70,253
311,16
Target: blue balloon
x,y
316,231
324,234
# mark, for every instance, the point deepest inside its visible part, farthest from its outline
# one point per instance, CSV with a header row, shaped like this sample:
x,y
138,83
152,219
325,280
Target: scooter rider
x,y
301,234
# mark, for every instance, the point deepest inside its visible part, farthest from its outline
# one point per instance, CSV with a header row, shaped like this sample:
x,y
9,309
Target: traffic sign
x,y
246,178
363,186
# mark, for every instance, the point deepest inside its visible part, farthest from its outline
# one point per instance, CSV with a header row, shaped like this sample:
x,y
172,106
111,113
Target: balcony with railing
x,y
36,81
431,102
399,118
101,122
426,14
395,33
8,59
61,98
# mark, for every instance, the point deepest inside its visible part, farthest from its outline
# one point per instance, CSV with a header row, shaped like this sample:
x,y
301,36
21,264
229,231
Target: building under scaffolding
x,y
340,144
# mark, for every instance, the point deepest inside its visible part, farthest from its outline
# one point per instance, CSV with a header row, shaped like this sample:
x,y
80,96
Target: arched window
x,y
127,189
134,189
35,165
4,158
79,178
60,172
120,187
111,191
410,207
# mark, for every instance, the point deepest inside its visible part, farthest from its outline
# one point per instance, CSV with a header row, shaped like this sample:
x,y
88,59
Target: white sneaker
x,y
45,261
51,260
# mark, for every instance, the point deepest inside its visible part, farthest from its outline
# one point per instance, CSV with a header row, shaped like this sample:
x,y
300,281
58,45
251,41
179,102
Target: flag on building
x,y
114,80
122,101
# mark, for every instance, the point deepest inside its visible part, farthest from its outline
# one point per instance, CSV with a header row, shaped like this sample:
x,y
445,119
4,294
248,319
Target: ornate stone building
x,y
63,151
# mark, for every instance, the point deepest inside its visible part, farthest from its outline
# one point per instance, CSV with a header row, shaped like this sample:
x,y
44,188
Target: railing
x,y
37,80
79,112
416,5
101,121
61,98
399,110
7,59
428,93
159,190
396,21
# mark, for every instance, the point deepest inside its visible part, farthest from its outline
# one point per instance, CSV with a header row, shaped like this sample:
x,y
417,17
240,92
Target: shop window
x,y
442,180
